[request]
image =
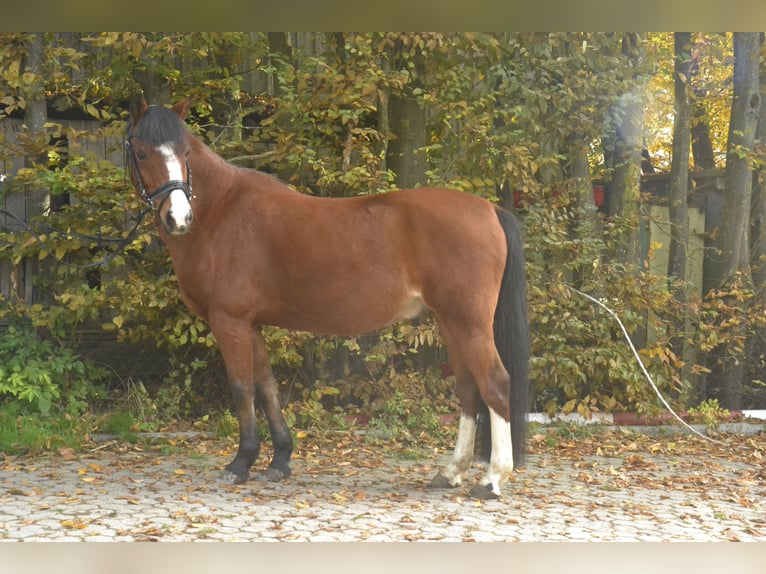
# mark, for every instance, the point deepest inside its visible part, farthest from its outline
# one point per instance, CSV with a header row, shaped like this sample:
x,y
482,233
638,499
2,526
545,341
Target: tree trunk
x,y
702,145
585,224
733,256
625,194
227,111
679,171
758,203
739,177
383,97
704,160
154,85
279,46
758,237
406,155
678,206
35,115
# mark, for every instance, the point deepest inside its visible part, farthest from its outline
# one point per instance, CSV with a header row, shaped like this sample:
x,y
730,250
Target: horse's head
x,y
158,149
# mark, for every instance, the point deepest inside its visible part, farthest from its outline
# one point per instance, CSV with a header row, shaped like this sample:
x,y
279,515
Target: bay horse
x,y
250,251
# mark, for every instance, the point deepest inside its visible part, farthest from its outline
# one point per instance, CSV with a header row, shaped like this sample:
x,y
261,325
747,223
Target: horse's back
x,y
382,257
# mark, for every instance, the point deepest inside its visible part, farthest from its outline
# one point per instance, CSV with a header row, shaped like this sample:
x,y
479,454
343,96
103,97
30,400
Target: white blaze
x,y
180,208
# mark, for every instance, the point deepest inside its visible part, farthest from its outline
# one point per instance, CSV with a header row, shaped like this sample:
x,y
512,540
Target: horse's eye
x,y
141,155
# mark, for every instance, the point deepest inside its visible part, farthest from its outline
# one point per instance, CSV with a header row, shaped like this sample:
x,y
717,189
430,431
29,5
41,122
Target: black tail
x,y
512,341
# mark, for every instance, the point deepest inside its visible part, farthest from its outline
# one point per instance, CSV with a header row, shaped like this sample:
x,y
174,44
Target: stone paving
x,y
136,494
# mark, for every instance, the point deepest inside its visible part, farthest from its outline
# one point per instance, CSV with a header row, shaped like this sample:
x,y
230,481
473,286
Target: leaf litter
x,y
364,482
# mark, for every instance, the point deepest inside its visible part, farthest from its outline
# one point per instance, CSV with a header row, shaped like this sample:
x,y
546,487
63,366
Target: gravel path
x,y
168,493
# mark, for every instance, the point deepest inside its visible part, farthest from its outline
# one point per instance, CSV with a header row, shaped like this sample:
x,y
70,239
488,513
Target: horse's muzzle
x,y
178,218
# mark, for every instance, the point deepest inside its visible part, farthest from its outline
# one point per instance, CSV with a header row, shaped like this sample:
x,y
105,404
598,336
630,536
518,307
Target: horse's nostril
x,y
175,225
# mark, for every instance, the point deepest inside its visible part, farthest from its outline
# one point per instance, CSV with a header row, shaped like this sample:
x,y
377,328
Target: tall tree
x,y
734,242
35,117
406,155
758,230
626,177
679,171
679,176
758,216
732,265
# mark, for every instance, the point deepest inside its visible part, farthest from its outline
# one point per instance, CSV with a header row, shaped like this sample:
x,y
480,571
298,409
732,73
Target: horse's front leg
x,y
266,392
235,340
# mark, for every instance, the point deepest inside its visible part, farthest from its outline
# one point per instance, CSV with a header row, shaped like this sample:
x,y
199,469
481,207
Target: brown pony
x,y
250,251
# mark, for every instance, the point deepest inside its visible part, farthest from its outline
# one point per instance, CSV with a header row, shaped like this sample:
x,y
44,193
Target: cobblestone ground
x,y
168,493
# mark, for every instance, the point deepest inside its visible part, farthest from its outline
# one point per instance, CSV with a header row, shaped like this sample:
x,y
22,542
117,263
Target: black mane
x,y
160,125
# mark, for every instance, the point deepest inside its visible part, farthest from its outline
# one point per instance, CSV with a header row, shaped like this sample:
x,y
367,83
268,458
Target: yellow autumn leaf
x,y
78,524
179,471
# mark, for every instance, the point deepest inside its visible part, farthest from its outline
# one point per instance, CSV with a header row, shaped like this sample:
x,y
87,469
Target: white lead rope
x,y
641,363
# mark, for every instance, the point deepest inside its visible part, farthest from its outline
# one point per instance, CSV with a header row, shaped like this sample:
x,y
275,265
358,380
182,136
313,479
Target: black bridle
x,y
163,191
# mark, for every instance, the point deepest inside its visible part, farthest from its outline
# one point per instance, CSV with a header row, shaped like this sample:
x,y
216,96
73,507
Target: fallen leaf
x,y
74,524
17,492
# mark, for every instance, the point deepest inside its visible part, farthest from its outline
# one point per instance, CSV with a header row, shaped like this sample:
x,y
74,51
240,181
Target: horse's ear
x,y
137,108
182,108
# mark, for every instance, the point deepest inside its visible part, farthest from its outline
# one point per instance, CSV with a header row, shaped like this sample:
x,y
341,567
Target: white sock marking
x,y
501,464
463,454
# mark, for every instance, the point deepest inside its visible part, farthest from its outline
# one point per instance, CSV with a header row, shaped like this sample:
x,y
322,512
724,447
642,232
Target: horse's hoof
x,y
273,474
441,481
228,477
483,492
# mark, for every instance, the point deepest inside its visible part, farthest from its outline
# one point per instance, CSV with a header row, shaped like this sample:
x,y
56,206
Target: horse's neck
x,y
212,176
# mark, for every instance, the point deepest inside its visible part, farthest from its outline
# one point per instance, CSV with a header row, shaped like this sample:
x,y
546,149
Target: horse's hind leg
x,y
452,474
480,373
495,387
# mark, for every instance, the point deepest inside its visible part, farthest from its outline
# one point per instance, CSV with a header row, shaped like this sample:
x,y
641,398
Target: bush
x,y
44,376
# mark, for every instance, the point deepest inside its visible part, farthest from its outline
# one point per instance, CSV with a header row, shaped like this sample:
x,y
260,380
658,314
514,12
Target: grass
x,y
120,423
35,433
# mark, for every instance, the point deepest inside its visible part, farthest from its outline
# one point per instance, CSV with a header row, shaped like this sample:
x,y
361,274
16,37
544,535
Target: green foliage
x,y
404,419
44,376
709,413
226,425
502,109
311,408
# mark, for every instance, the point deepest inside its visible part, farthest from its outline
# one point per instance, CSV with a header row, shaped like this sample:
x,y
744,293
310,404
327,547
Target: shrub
x,y
45,376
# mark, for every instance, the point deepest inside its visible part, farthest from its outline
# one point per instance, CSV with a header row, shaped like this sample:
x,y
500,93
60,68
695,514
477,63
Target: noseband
x,y
163,191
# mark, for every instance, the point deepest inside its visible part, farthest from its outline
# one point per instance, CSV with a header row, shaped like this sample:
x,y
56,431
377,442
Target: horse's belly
x,y
350,315
412,307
